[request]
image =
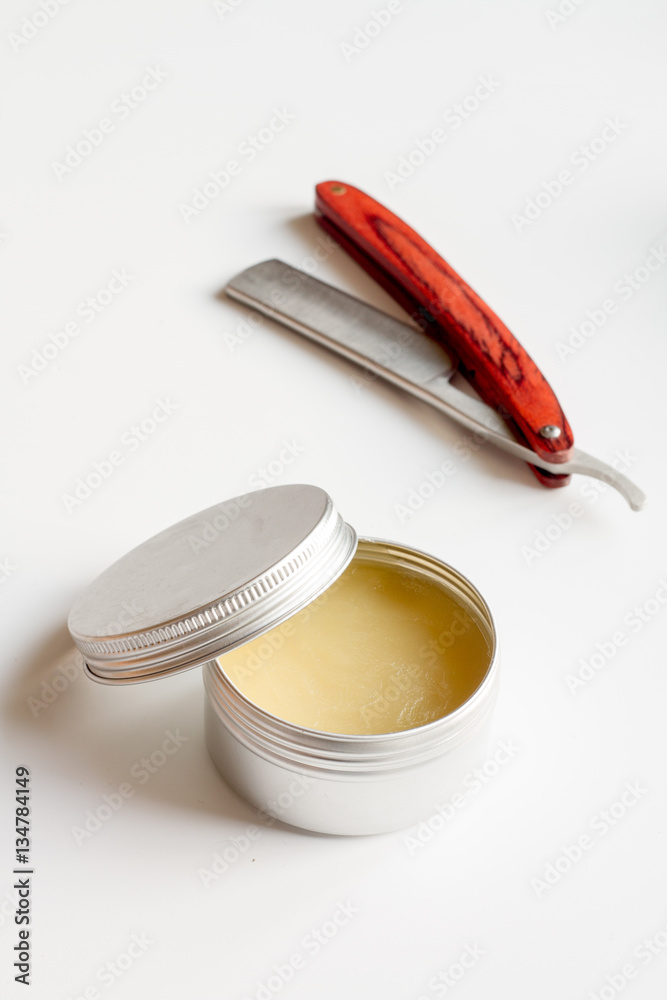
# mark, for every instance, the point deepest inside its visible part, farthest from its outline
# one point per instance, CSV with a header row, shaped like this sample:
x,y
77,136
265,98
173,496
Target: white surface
x,y
169,336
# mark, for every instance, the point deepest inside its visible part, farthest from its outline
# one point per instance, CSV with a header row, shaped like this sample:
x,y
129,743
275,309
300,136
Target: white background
x,y
557,587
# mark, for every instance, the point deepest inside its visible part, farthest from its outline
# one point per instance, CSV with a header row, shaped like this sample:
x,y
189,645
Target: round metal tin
x,y
354,784
210,583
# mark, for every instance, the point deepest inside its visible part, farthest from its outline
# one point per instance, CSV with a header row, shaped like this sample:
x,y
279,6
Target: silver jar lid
x,y
211,583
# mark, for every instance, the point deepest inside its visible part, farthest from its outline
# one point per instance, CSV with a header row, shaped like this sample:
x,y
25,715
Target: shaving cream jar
x,y
349,682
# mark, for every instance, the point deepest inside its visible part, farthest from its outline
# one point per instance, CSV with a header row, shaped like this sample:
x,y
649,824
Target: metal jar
x,y
229,574
346,784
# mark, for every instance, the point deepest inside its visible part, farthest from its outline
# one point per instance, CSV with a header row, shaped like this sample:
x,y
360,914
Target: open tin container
x,y
234,572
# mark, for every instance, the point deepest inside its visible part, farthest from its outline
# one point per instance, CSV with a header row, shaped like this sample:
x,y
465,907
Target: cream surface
x,y
382,650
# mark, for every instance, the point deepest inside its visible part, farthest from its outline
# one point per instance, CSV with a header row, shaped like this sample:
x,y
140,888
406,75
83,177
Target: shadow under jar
x,y
349,682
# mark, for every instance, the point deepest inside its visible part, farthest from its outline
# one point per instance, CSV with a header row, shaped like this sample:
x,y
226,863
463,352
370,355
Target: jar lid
x,y
211,583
